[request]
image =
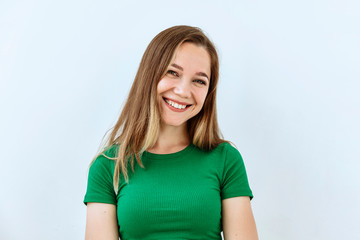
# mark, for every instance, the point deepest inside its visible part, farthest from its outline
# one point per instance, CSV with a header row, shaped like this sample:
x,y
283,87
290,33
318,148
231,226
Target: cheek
x,y
159,86
162,86
200,96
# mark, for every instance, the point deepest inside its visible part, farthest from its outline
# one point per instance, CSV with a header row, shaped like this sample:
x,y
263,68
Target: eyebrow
x,y
202,74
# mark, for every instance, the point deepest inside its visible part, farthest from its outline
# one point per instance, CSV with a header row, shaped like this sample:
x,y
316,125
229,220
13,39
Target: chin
x,y
173,123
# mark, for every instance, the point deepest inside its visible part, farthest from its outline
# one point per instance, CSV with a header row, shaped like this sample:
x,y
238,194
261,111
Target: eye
x,y
173,73
202,82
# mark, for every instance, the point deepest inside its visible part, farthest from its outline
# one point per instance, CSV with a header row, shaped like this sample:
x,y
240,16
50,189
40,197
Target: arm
x,y
238,219
101,222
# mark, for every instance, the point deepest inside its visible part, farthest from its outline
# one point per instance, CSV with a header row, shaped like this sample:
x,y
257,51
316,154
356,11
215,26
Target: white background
x,y
288,98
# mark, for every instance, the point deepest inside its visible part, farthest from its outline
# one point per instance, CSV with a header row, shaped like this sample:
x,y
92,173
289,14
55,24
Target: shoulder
x,y
226,150
100,187
106,159
221,156
228,157
111,151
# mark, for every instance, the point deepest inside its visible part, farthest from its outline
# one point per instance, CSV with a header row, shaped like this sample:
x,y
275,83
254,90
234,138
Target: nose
x,y
182,89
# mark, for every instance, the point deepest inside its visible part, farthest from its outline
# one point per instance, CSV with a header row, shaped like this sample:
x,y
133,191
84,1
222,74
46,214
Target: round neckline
x,y
180,153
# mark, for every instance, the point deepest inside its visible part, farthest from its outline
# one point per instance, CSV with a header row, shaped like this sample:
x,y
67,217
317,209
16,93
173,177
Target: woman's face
x,y
182,91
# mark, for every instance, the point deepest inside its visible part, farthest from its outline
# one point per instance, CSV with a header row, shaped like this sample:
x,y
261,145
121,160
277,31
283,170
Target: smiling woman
x,y
182,91
165,172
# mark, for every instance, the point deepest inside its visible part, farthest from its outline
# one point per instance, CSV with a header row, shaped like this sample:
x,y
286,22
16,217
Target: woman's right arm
x,y
101,222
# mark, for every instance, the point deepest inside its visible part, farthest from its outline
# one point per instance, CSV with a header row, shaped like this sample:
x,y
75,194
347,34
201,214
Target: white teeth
x,y
175,105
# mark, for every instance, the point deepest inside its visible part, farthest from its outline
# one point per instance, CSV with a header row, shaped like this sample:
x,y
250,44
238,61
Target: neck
x,y
171,139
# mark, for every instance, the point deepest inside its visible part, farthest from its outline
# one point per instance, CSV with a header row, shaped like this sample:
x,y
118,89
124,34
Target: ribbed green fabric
x,y
176,196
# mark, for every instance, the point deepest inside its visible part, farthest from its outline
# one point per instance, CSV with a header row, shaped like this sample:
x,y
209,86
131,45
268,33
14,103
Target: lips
x,y
175,105
178,102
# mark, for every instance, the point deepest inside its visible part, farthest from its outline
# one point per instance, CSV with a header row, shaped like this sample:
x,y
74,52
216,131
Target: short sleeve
x,y
234,181
100,182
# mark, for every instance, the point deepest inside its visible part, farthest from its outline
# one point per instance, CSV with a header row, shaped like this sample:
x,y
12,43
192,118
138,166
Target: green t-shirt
x,y
176,196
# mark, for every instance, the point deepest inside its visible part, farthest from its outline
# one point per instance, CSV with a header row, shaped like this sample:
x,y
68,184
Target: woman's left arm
x,y
238,220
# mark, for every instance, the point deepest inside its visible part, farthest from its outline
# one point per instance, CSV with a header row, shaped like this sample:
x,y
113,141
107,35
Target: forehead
x,y
192,57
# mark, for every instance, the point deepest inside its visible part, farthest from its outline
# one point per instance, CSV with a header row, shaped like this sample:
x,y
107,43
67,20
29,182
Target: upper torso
x,y
178,195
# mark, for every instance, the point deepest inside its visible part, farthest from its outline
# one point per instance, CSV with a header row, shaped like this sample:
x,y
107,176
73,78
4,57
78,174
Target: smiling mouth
x,y
176,105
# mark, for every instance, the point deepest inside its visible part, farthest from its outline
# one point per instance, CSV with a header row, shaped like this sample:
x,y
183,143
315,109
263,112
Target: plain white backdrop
x,y
288,98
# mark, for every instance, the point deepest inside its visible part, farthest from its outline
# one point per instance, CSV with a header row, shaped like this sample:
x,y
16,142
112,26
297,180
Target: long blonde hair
x,y
137,128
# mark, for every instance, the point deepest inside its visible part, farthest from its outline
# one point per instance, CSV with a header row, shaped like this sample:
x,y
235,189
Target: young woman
x,y
165,172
